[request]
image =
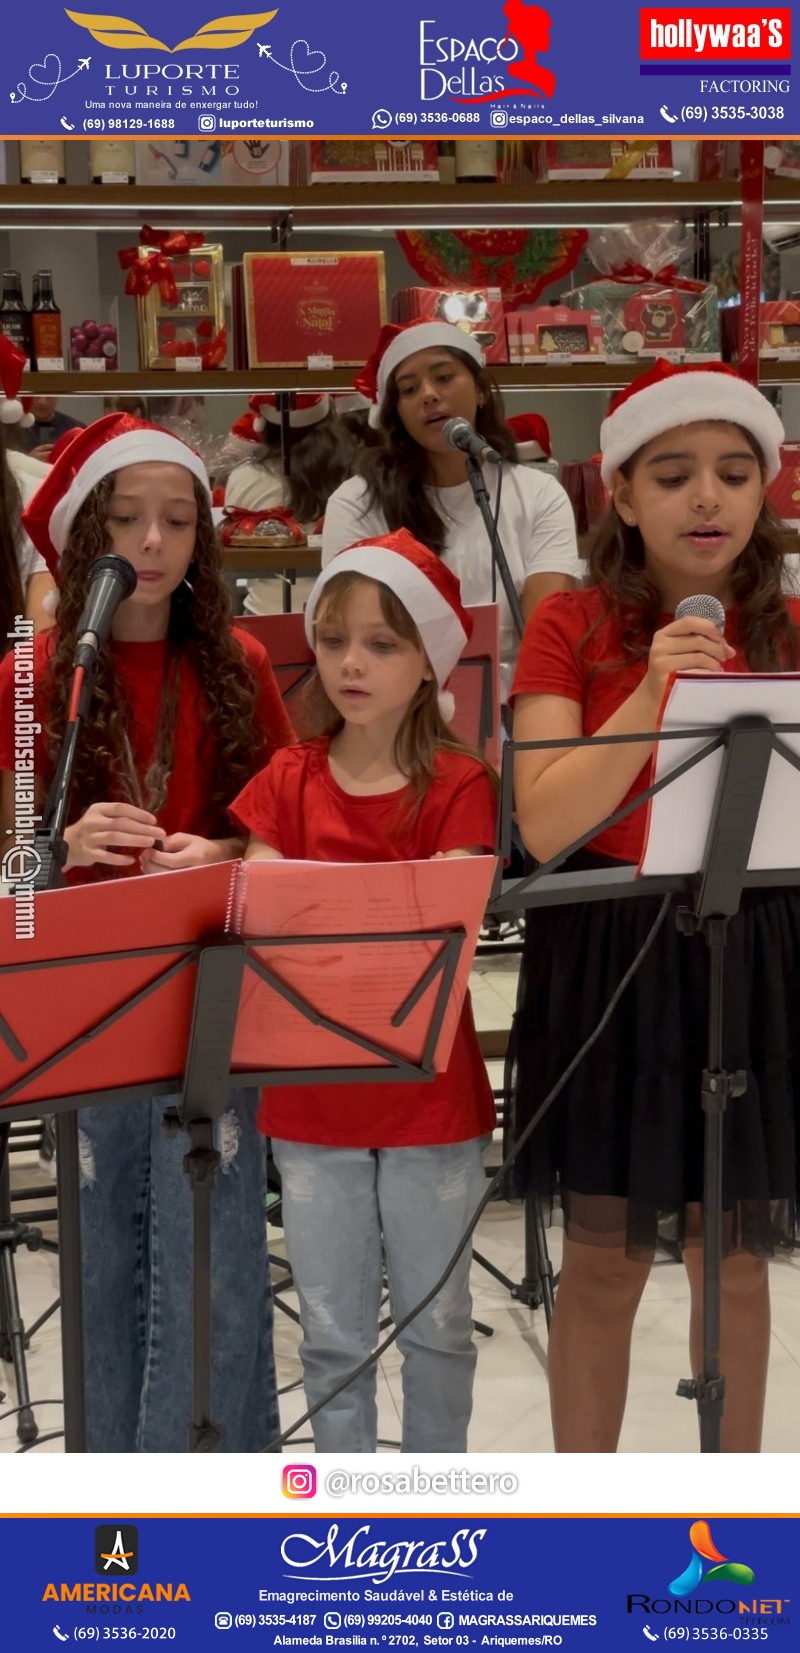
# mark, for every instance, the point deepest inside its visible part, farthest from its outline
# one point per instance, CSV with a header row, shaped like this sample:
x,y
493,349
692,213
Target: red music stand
x,y
222,966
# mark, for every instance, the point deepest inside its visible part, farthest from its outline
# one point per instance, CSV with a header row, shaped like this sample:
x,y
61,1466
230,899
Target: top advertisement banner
x,y
445,68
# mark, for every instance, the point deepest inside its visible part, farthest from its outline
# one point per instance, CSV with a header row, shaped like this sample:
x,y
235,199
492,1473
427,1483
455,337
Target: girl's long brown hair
x,y
423,731
767,635
396,472
199,629
12,596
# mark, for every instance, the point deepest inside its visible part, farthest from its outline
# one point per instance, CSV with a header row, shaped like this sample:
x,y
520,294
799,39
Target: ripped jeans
x,y
337,1202
136,1238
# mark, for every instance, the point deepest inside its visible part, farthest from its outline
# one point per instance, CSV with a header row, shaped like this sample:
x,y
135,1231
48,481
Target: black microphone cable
x,y
498,1178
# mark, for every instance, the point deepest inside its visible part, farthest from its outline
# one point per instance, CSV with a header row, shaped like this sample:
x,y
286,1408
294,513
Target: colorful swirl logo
x,y
704,1549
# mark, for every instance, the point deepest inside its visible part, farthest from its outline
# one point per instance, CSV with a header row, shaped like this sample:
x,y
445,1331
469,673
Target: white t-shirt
x,y
536,528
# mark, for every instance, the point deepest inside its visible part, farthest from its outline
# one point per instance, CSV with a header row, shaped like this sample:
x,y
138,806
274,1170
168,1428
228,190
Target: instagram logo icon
x,y
299,1481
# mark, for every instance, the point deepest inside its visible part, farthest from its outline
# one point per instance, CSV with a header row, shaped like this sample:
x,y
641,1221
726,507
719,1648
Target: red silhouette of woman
x,y
530,26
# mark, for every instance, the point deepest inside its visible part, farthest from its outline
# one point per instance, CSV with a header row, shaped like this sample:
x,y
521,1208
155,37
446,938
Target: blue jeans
x,y
136,1238
337,1202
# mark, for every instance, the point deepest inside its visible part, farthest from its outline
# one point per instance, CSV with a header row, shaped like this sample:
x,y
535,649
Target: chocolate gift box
x,y
477,310
779,329
175,332
584,158
364,161
311,305
554,330
652,319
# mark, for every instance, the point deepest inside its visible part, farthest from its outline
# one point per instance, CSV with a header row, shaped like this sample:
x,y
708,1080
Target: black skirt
x,y
622,1145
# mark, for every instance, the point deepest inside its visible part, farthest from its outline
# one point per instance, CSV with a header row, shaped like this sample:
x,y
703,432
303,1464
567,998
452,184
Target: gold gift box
x,y
199,277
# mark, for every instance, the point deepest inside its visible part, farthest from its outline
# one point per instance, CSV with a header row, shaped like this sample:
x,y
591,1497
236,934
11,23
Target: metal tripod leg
x,y
13,1339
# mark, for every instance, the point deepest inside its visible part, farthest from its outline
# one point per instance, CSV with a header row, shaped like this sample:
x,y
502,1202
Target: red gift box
x,y
579,158
478,311
313,304
553,330
784,493
654,321
361,160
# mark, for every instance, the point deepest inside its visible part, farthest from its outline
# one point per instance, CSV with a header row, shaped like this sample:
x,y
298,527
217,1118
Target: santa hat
x,y
349,401
12,366
428,590
668,396
395,344
265,410
90,455
532,435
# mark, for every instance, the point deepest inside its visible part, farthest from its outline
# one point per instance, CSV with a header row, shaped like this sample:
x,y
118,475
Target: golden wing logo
x,y
219,35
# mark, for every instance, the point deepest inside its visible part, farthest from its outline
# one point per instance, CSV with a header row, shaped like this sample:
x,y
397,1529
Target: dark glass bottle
x,y
46,323
15,317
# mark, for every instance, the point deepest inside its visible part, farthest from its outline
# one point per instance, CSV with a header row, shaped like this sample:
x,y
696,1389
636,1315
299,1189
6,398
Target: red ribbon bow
x,y
667,276
145,270
240,521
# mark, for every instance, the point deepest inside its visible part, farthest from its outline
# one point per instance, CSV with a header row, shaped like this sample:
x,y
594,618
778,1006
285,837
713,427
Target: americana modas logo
x,y
218,35
116,1550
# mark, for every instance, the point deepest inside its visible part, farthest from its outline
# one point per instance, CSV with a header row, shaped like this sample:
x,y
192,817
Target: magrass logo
x,y
116,1550
704,1550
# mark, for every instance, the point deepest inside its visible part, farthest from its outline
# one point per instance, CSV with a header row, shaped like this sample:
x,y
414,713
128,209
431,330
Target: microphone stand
x,y
538,1283
499,560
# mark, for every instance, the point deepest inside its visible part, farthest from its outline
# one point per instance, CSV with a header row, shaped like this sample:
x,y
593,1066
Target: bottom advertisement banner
x,y
598,1583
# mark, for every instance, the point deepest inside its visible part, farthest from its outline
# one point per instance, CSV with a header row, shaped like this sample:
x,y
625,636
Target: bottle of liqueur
x,y
42,161
48,355
112,161
476,160
15,318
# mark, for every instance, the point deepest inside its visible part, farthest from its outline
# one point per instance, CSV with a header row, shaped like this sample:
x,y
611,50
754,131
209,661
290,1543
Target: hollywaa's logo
x,y
219,35
450,65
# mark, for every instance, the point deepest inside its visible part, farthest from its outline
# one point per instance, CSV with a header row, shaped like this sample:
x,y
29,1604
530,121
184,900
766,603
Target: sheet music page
x,y
679,817
358,983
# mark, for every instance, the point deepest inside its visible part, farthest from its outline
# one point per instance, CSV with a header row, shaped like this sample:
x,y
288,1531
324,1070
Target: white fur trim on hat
x,y
441,632
430,335
132,448
688,399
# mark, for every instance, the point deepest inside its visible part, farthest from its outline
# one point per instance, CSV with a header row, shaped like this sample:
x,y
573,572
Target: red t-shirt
x,y
297,807
557,657
140,667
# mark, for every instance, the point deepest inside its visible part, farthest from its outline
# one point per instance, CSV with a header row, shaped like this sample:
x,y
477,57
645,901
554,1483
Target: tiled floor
x,y
511,1412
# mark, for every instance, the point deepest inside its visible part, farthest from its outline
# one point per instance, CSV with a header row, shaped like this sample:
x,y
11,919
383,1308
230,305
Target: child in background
x,y
184,711
382,780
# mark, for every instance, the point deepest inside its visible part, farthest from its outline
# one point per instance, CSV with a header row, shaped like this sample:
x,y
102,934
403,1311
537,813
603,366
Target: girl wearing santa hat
x,y
301,477
25,583
381,780
184,711
420,376
687,452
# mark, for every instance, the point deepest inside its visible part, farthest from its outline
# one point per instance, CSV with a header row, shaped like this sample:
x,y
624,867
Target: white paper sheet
x,y
679,817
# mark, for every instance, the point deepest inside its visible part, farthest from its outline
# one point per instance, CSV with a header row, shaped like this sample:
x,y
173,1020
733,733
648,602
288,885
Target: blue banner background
x,y
357,68
500,1567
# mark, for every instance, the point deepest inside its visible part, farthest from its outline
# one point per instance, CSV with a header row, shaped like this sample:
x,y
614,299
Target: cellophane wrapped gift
x,y
648,305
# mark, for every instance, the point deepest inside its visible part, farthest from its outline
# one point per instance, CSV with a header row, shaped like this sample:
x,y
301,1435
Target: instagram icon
x,y
299,1481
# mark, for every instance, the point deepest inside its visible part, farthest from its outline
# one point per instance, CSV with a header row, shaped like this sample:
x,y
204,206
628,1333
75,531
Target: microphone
x,y
702,608
111,580
458,433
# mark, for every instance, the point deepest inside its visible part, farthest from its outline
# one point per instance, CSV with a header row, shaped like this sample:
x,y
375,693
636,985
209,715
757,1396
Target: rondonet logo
x,y
712,34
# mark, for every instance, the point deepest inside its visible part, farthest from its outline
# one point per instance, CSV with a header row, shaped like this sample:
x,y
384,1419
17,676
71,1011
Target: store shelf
x,y
533,377
378,206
